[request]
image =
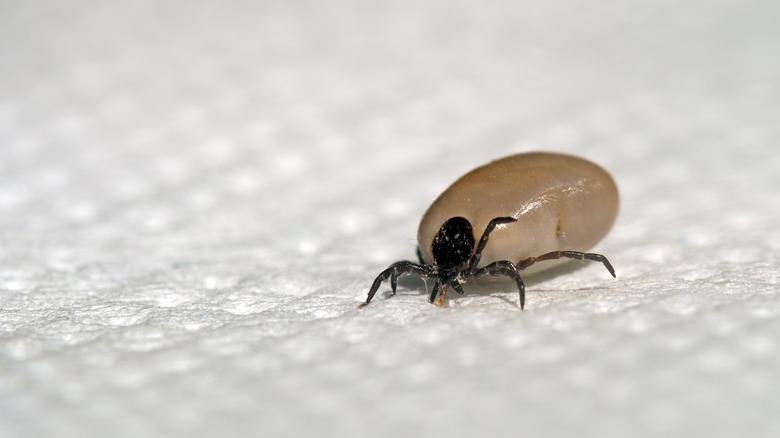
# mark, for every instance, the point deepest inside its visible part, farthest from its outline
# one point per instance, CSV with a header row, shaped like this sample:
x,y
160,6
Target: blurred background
x,y
195,196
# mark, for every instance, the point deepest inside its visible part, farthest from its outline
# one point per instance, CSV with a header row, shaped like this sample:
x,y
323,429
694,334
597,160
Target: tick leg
x,y
393,272
523,264
419,256
474,261
505,267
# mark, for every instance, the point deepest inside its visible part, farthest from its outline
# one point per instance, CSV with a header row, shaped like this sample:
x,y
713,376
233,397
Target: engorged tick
x,y
534,203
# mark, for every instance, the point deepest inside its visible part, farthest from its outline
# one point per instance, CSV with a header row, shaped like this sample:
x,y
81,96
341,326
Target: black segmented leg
x,y
505,267
523,264
474,261
393,272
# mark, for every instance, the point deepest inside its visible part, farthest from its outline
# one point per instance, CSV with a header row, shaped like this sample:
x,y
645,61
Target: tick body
x,y
504,217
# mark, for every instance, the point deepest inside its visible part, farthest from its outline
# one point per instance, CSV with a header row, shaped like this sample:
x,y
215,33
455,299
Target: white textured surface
x,y
194,196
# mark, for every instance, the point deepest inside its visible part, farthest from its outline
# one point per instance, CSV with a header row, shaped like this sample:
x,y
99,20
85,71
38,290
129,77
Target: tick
x,y
528,208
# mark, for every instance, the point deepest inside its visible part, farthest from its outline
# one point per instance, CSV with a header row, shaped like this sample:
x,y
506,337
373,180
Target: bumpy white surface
x,y
194,196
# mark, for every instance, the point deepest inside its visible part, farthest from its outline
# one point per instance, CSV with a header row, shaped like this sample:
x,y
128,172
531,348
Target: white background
x,y
195,195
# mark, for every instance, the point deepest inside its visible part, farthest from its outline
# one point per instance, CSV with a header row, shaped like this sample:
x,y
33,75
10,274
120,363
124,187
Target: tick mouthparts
x,y
439,293
439,301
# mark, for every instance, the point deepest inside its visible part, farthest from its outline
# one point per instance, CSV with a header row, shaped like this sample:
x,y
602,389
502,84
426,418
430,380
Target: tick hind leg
x,y
507,268
393,272
555,255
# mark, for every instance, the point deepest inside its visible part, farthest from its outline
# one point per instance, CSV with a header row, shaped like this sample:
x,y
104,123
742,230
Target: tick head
x,y
453,244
